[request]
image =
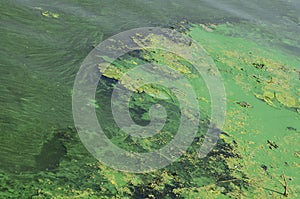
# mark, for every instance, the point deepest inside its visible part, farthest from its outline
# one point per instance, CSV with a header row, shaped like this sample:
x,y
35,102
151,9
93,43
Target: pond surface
x,y
44,43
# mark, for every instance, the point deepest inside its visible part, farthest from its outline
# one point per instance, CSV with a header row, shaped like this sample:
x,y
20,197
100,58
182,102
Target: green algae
x,y
268,71
240,166
276,84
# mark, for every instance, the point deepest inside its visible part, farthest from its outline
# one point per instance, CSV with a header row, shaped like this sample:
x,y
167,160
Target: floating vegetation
x,y
50,14
47,13
266,97
263,94
286,99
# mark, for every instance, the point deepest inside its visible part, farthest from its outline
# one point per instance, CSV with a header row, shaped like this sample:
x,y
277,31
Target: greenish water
x,y
42,47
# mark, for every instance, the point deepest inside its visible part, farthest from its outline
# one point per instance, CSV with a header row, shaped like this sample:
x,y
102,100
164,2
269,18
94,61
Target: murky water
x,y
43,44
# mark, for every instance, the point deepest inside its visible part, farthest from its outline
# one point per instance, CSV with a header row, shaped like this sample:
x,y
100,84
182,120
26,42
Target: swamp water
x,y
255,46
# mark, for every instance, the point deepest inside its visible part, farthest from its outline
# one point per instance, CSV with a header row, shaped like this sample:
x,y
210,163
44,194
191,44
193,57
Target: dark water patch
x,y
54,150
51,154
